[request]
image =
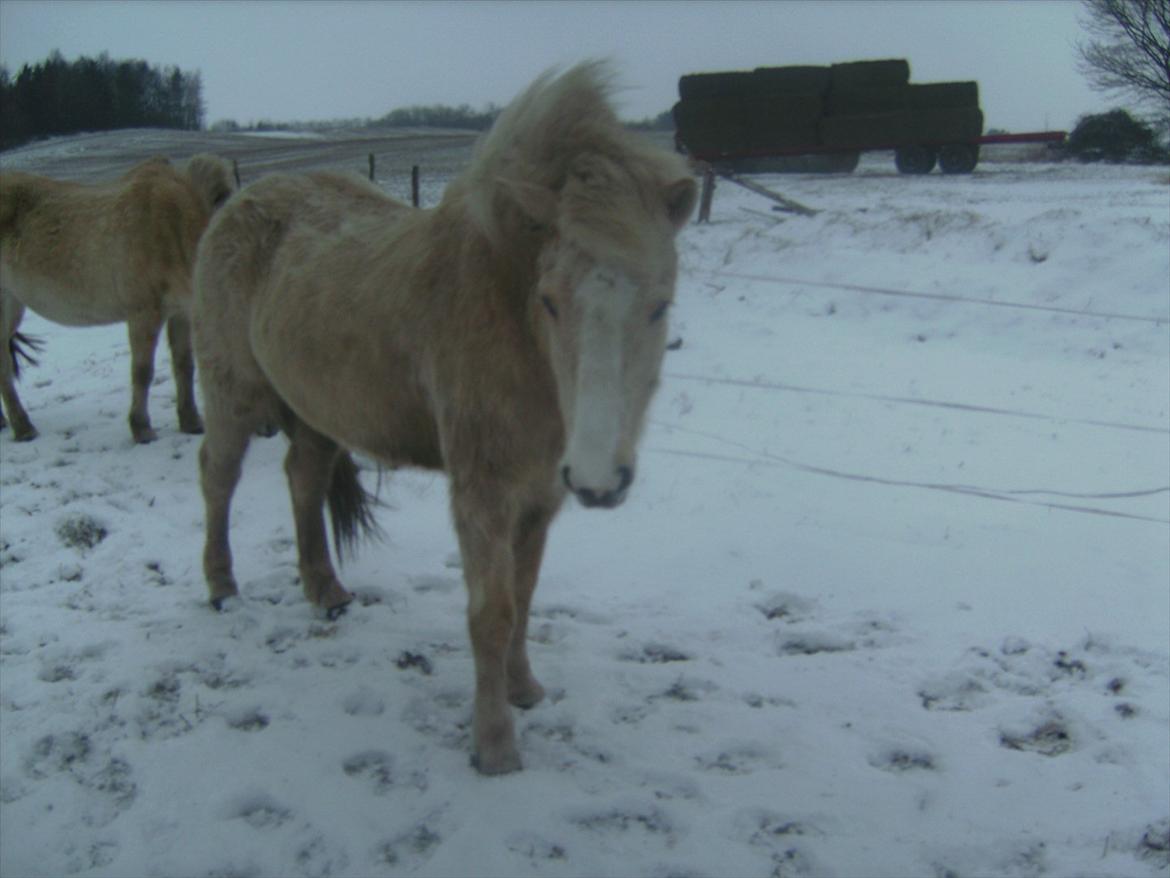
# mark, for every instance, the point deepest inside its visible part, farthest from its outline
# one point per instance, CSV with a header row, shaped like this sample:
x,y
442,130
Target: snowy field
x,y
891,596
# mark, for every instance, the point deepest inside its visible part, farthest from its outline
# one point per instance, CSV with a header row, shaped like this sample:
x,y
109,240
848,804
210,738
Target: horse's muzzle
x,y
606,498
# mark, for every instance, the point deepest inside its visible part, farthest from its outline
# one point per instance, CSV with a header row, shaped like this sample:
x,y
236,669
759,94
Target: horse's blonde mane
x,y
529,151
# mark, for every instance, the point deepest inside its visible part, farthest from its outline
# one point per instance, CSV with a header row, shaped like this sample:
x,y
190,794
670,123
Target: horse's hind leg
x,y
144,331
309,466
183,366
11,312
220,457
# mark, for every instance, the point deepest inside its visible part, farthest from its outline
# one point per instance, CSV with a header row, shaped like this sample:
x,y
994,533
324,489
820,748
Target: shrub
x,y
1113,137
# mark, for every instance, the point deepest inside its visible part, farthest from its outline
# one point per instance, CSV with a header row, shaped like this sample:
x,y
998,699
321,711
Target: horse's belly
x,y
61,303
395,426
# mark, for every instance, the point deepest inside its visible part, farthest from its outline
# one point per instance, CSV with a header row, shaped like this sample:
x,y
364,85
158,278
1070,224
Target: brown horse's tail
x,y
19,347
351,507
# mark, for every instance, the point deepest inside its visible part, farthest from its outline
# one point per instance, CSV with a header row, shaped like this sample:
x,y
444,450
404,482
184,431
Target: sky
x,y
307,60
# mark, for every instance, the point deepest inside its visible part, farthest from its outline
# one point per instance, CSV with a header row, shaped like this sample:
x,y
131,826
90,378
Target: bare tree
x,y
1129,50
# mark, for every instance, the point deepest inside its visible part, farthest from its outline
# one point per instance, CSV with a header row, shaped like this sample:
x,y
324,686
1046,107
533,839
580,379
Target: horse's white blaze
x,y
606,299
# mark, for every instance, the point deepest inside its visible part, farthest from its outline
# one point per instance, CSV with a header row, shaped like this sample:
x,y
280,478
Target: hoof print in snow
x,y
778,835
955,693
899,760
655,654
411,847
81,531
1050,738
407,659
786,607
55,753
364,702
535,849
1125,710
737,759
1068,666
260,812
375,765
248,721
651,821
813,643
1154,846
683,690
317,857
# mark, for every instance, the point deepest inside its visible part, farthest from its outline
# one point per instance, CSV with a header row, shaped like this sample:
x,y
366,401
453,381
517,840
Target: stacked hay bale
x,y
871,104
771,109
842,108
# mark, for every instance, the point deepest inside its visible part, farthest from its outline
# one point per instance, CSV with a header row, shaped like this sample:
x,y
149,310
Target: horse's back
x,y
85,254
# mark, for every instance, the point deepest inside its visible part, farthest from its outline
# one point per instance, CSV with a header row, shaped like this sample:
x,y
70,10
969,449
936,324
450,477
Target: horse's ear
x,y
536,202
680,197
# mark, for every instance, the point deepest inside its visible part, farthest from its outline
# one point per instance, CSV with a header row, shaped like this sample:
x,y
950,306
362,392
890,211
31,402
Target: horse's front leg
x,y
144,329
485,540
10,313
523,688
183,366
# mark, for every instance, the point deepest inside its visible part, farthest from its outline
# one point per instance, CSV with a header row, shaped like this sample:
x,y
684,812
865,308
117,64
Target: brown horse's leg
x,y
143,339
523,688
183,366
485,540
220,457
11,311
309,466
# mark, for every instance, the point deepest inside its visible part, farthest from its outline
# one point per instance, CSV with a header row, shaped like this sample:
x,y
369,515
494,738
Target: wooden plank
x,y
786,203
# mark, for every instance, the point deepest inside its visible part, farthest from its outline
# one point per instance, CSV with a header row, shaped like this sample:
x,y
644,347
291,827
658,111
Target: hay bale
x,y
855,75
714,85
866,101
800,79
947,125
871,131
903,128
738,124
933,95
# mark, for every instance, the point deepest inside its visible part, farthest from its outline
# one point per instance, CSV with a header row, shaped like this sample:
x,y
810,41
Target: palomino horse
x,y
85,255
512,336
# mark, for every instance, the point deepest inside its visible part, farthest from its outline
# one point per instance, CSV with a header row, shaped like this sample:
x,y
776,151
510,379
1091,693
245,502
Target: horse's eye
x,y
658,311
549,306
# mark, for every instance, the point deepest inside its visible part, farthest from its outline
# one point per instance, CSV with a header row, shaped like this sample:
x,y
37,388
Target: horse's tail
x,y
351,507
19,347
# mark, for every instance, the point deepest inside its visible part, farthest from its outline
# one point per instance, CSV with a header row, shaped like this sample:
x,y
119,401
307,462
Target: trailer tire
x,y
915,159
958,158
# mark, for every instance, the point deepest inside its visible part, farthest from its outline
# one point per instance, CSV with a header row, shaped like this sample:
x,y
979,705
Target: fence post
x,y
414,185
707,195
236,171
371,167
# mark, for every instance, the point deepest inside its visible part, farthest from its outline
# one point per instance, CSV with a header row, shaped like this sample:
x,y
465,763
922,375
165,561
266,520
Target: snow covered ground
x,y
891,595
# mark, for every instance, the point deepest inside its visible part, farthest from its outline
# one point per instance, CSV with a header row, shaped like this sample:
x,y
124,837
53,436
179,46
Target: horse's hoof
x,y
145,437
505,763
219,602
191,427
527,696
335,613
27,435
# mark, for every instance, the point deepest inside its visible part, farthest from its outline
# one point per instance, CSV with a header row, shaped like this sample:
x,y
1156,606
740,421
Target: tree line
x,y
58,97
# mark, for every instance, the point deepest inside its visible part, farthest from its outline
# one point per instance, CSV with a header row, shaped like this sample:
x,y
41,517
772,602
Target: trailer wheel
x,y
915,159
958,158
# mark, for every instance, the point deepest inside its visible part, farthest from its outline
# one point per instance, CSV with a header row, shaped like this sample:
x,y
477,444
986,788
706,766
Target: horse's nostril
x,y
590,498
626,475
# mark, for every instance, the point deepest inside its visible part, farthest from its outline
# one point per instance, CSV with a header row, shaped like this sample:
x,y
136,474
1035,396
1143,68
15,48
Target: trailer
x,y
820,119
